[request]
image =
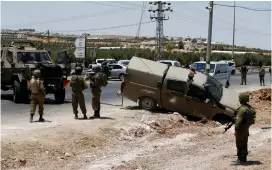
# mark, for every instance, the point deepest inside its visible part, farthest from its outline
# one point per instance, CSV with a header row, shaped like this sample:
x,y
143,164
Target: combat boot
x,y
76,117
31,118
41,119
98,114
85,116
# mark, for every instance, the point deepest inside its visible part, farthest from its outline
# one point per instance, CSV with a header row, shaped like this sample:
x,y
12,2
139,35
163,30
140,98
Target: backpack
x,y
103,78
250,115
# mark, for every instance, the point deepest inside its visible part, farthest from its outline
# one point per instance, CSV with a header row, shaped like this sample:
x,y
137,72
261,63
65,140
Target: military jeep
x,y
20,59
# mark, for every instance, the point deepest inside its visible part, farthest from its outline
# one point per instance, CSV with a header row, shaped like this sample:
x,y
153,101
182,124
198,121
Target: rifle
x,y
229,125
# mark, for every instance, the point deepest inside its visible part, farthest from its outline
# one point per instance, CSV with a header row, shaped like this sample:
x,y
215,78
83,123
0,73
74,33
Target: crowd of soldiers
x,y
244,71
244,116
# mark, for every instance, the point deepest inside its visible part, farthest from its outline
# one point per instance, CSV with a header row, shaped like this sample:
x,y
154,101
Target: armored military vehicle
x,y
19,59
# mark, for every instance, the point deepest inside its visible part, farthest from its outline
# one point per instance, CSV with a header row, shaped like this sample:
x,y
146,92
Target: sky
x,y
189,18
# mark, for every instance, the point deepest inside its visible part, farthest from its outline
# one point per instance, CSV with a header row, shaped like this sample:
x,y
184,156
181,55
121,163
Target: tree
x,y
169,47
180,45
194,41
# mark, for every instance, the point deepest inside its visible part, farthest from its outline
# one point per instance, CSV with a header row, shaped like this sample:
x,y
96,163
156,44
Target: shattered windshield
x,y
200,67
215,88
33,56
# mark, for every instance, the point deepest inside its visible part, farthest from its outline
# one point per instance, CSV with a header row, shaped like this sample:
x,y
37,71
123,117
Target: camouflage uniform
x,y
261,75
243,71
37,91
96,84
78,84
242,128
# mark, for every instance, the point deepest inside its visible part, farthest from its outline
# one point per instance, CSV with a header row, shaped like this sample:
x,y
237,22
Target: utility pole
x,y
139,27
233,35
208,55
85,51
48,38
159,17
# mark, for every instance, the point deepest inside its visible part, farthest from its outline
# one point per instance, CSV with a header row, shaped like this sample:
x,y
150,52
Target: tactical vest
x,y
76,84
102,79
243,68
35,86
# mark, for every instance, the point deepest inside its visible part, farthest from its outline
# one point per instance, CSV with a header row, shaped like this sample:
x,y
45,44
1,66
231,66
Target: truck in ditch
x,y
153,84
20,59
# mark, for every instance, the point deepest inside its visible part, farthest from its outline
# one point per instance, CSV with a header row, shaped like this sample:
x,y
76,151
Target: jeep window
x,y
176,86
33,56
176,64
215,88
200,67
100,61
117,67
168,63
231,64
223,68
196,92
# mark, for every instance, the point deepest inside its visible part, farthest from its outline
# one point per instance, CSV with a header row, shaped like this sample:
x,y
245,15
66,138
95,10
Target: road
x,y
12,111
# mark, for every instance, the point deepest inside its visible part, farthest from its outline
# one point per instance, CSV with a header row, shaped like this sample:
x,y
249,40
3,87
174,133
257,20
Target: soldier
x,y
97,80
261,74
270,70
243,71
37,90
190,80
78,84
245,117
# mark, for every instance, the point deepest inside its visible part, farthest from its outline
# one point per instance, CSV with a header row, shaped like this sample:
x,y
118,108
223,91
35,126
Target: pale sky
x,y
189,18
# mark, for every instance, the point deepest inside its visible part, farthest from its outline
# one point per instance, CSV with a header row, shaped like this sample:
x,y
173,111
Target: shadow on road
x,y
248,163
45,121
46,101
102,117
158,110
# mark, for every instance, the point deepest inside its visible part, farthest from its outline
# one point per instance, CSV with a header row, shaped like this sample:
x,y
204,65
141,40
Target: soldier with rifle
x,y
245,117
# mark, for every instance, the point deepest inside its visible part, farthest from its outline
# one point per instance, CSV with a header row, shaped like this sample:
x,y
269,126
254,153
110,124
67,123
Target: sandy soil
x,y
136,139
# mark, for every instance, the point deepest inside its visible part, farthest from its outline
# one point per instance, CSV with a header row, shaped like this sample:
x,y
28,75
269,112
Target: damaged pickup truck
x,y
154,84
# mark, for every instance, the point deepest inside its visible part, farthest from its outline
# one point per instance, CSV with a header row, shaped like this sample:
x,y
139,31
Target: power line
x,y
105,28
111,5
252,9
70,18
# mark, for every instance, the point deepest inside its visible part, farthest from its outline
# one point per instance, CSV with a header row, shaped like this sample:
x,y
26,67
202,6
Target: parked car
x,y
123,62
218,69
170,62
153,84
117,71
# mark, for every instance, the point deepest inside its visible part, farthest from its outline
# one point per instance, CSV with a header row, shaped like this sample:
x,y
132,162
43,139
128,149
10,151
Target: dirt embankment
x,y
138,139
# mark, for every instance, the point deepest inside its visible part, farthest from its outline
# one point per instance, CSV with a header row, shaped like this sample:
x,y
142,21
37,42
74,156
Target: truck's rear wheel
x,y
17,93
60,96
147,103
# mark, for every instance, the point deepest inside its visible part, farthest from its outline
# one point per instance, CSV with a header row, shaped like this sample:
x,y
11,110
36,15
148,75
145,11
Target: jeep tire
x,y
60,96
147,103
17,93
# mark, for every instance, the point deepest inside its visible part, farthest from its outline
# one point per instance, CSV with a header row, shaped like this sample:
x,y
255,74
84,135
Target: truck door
x,y
172,95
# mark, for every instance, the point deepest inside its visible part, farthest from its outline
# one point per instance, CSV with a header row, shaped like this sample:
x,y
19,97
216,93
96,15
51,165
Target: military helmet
x,y
36,73
244,98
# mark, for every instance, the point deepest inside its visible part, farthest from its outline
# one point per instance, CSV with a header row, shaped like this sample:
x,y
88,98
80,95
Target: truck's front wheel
x,y
147,103
60,96
17,93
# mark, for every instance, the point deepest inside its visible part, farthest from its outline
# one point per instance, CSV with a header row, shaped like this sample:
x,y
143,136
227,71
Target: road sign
x,y
80,53
80,42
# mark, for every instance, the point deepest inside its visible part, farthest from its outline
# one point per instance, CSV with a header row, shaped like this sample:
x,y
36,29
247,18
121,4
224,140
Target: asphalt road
x,y
109,96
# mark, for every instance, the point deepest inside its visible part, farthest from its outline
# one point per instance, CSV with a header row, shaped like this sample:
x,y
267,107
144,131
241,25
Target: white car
x,y
123,62
170,62
117,71
232,65
218,69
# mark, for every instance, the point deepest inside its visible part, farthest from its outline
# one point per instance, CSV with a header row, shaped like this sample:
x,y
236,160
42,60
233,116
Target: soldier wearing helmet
x,y
37,91
245,117
78,84
97,80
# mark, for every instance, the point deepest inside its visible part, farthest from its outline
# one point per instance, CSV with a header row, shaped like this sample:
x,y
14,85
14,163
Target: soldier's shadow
x,y
102,117
45,121
248,163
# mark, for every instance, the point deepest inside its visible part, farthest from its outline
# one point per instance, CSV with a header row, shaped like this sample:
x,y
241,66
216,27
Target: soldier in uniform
x,y
78,84
37,91
96,82
242,124
190,80
261,74
243,71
